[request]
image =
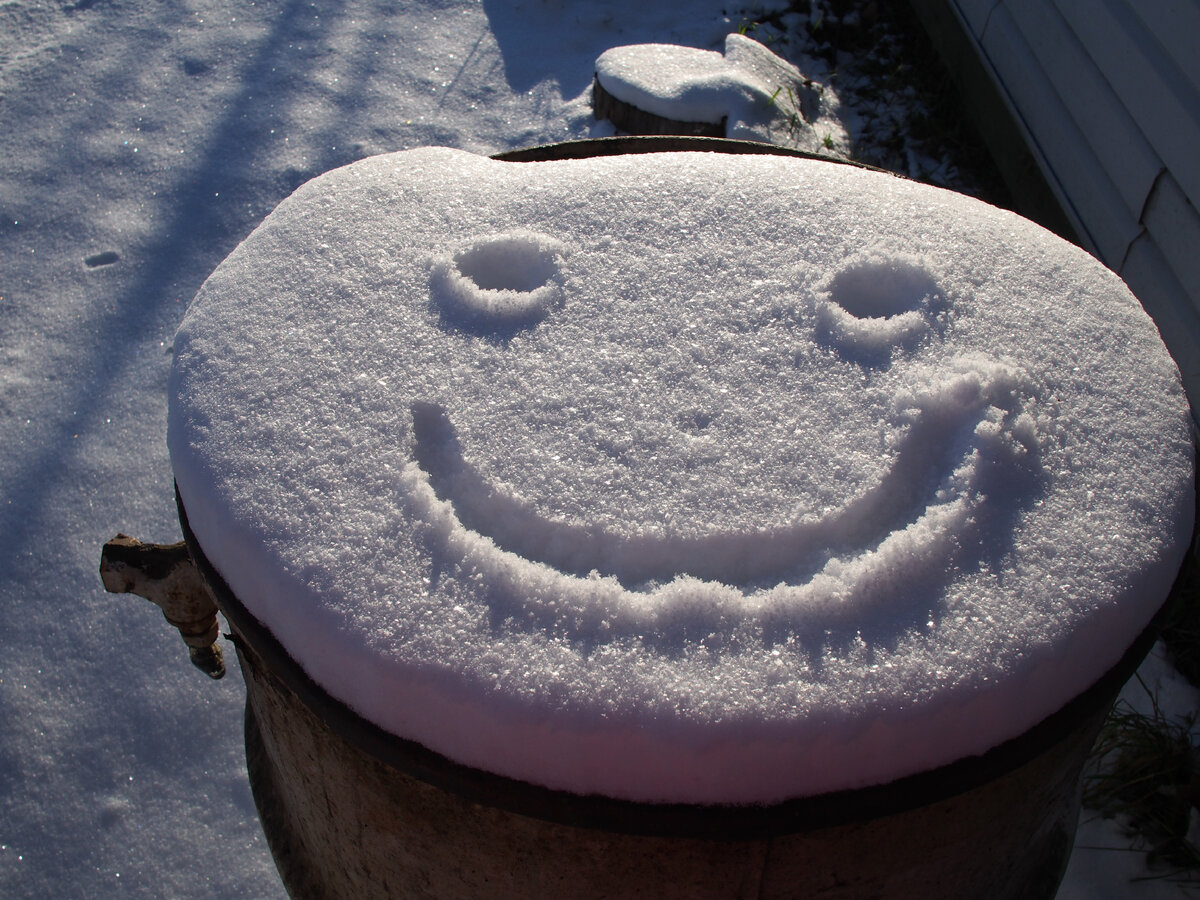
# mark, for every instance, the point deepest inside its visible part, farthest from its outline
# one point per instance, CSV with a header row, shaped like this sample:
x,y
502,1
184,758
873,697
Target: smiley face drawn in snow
x,y
729,462
561,504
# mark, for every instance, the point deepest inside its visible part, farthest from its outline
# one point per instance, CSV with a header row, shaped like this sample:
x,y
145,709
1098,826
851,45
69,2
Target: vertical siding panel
x,y
1104,123
975,13
990,108
1149,84
1107,92
1176,25
1174,225
1072,161
1149,276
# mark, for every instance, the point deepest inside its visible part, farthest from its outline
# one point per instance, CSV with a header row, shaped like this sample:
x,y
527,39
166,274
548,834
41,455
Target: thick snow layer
x,y
758,95
684,477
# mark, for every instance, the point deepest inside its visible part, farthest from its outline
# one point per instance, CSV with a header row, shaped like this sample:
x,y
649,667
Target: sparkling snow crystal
x,y
680,477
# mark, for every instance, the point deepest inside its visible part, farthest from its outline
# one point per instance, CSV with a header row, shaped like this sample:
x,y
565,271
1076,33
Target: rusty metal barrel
x,y
352,811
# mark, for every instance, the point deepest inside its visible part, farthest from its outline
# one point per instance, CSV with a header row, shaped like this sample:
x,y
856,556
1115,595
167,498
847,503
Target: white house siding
x,y
1106,94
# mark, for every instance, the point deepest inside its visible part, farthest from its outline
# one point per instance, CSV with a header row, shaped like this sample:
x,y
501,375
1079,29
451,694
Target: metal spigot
x,y
166,575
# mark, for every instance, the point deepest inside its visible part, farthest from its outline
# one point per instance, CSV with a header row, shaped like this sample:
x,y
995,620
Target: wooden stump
x,y
628,118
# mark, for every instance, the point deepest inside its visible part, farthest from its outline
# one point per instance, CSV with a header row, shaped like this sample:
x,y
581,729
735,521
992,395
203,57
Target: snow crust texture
x,y
680,477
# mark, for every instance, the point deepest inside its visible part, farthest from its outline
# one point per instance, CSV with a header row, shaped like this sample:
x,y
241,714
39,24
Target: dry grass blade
x,y
1144,771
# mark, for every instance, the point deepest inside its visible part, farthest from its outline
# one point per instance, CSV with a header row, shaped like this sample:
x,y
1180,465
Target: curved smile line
x,y
940,420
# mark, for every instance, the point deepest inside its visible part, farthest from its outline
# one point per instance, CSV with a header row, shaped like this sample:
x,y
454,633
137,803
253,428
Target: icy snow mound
x,y
680,477
757,94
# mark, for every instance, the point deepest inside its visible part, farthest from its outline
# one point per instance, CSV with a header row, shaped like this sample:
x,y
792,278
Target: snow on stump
x,y
673,525
747,93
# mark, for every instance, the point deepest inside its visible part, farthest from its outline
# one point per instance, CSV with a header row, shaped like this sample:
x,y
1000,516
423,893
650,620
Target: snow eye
x,y
876,304
508,280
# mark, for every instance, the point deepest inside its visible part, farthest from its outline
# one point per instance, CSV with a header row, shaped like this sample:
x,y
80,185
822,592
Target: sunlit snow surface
x,y
683,477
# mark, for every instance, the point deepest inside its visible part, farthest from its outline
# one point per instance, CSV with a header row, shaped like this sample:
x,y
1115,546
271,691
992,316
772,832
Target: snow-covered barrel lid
x,y
680,477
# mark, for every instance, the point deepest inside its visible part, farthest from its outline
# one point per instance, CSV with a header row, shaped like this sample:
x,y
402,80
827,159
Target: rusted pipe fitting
x,y
166,576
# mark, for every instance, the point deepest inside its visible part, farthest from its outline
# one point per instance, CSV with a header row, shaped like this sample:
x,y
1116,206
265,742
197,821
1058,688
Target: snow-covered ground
x,y
141,141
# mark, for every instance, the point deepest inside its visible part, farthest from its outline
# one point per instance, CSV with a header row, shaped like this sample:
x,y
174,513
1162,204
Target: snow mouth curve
x,y
958,431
